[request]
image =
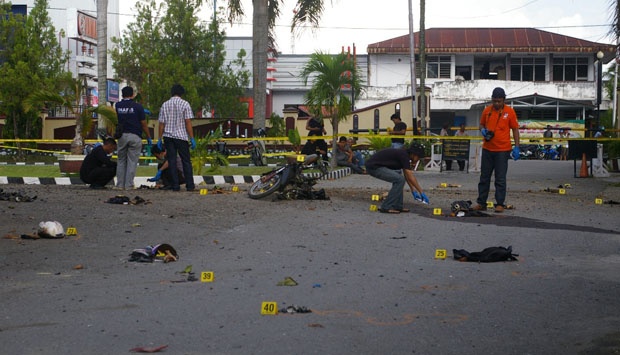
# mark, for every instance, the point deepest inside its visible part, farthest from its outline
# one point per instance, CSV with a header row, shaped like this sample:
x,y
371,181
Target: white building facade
x,y
76,24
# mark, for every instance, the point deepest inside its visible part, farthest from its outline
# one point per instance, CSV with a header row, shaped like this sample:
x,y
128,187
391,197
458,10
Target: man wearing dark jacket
x,y
97,168
394,165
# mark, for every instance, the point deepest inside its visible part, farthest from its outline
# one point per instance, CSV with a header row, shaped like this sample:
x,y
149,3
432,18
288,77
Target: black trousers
x,y
99,176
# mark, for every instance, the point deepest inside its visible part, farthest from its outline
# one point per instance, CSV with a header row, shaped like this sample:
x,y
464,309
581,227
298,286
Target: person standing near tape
x,y
131,124
496,122
176,134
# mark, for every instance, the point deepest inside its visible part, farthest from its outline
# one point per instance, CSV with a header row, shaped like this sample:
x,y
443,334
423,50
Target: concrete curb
x,y
138,181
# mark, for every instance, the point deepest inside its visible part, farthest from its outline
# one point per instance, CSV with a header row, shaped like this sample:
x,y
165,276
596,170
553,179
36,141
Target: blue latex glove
x,y
160,144
484,132
416,196
156,177
424,198
516,153
193,141
149,141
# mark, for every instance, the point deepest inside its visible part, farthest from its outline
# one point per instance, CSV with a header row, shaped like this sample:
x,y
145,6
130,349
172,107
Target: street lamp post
x,y
599,87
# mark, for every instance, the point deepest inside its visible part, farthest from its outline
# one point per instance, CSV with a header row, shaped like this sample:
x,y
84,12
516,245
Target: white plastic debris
x,y
51,229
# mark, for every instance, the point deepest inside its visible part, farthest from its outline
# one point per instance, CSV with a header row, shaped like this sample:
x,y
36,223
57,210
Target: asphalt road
x,y
371,280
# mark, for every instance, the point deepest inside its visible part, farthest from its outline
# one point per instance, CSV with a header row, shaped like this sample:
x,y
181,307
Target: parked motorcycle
x,y
256,148
290,181
548,152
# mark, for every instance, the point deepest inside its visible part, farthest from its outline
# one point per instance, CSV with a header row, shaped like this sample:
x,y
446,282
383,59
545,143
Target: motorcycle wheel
x,y
260,188
258,159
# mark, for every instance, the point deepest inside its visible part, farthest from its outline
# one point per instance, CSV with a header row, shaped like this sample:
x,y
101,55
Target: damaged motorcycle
x,y
291,181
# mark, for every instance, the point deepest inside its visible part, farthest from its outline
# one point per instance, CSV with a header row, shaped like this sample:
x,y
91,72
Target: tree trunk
x,y
259,62
77,145
20,152
102,55
333,162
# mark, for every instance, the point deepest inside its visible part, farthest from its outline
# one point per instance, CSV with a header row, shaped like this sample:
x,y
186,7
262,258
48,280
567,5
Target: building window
x,y
438,67
527,69
570,69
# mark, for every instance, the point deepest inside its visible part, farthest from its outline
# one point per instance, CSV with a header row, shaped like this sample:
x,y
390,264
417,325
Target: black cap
x,y
498,93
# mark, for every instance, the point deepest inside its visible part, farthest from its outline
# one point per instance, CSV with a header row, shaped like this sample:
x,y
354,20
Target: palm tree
x,y
333,77
70,97
265,13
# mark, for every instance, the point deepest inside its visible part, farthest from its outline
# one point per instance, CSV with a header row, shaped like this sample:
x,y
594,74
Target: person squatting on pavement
x,y
176,133
97,168
131,123
163,173
386,165
496,122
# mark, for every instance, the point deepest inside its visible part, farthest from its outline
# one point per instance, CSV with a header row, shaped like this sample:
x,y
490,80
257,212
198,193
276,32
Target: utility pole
x,y
412,69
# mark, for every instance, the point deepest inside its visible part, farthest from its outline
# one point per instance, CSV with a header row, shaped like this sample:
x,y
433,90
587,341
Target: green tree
x,y
168,44
333,77
264,17
30,59
70,95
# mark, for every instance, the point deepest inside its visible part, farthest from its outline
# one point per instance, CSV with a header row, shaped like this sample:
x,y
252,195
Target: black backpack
x,y
488,255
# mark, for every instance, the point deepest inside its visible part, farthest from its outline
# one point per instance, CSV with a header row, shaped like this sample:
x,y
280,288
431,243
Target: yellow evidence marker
x,y
441,253
206,276
269,308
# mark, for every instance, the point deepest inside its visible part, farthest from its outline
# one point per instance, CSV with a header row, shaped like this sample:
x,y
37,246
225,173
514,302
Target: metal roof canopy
x,y
537,102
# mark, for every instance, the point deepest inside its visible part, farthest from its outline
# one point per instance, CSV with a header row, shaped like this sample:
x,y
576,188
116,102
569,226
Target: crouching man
x,y
395,165
97,168
163,173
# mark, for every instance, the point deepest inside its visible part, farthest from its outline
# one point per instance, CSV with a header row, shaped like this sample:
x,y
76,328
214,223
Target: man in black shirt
x,y
386,165
400,129
97,168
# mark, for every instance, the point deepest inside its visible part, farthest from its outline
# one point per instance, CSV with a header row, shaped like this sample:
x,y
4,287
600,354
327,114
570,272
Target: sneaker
x,y
499,208
479,208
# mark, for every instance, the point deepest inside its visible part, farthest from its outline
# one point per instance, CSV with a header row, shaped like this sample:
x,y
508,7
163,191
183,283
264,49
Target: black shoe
x,y
166,187
97,187
190,189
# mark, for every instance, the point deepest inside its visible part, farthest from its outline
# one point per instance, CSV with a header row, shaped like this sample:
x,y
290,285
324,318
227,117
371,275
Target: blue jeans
x,y
181,147
357,155
498,162
394,200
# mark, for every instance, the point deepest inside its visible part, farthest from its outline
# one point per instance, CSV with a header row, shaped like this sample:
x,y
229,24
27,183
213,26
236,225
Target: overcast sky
x,y
362,22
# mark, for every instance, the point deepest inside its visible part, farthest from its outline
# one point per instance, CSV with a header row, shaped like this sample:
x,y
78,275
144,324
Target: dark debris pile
x,y
16,196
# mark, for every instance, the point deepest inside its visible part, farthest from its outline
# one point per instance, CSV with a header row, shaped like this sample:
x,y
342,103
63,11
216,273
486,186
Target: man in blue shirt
x,y
131,124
